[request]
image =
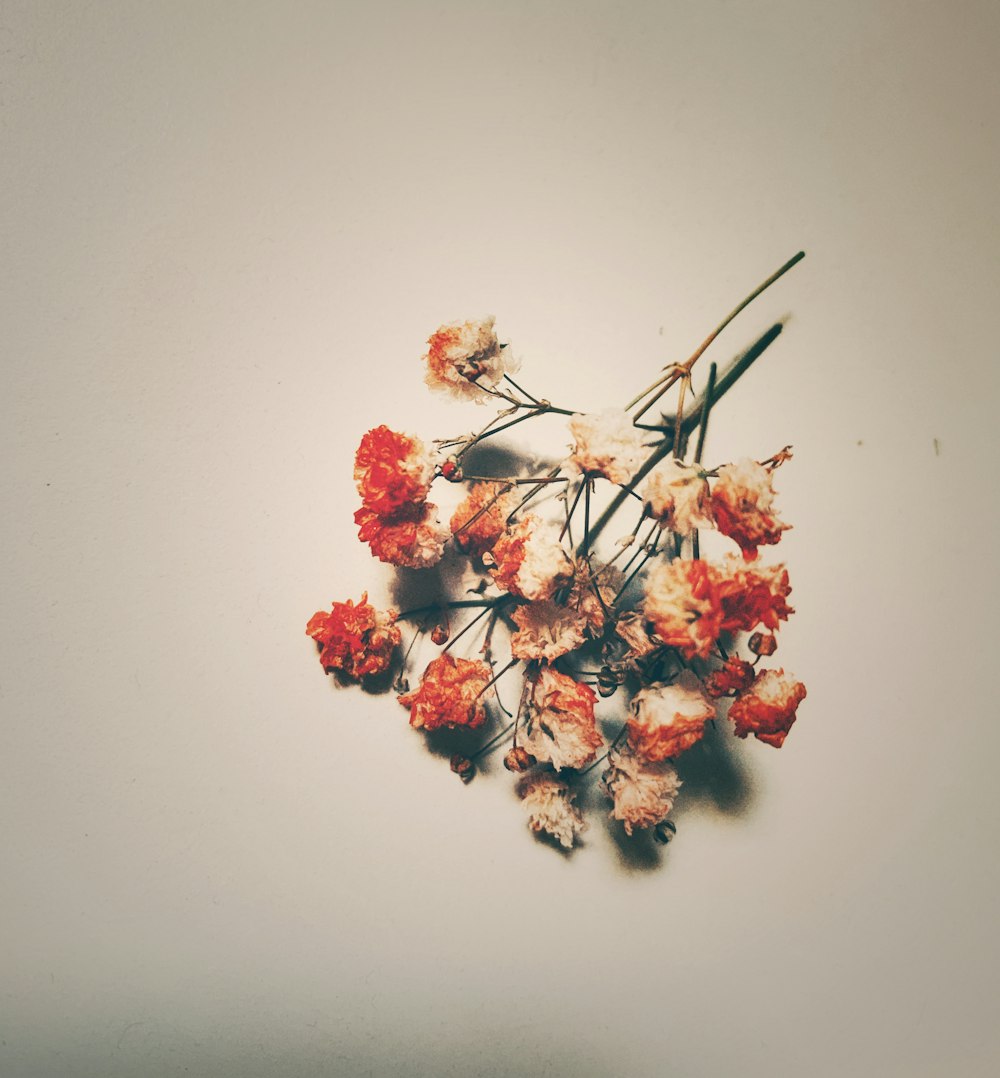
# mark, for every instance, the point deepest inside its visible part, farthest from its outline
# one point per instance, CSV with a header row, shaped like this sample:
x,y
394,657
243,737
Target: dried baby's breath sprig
x,y
649,624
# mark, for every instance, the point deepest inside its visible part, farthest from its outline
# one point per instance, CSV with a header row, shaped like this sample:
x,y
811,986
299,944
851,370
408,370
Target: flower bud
x,y
518,759
607,683
451,471
463,767
439,634
664,831
763,643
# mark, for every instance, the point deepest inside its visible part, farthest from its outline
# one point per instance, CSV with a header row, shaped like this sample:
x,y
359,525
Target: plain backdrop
x,y
226,231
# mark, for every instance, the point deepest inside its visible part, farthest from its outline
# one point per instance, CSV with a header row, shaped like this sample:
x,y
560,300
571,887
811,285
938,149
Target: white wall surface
x,y
226,230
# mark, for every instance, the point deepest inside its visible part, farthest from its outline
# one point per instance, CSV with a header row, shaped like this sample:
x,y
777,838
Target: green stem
x,y
666,381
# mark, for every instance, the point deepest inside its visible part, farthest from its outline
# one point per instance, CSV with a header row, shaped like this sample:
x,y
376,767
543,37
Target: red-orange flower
x,y
767,709
752,595
480,519
450,694
682,602
413,537
741,503
357,640
391,470
734,676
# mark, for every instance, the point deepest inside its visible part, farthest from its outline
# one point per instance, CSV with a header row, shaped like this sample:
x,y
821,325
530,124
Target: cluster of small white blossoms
x,y
652,625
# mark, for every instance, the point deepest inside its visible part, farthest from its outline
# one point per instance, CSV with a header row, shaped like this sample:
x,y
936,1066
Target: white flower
x,y
607,443
643,792
548,802
465,358
678,496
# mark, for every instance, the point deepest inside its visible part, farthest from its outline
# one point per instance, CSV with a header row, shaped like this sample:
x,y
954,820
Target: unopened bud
x,y
664,831
439,634
451,471
607,683
763,644
463,767
518,759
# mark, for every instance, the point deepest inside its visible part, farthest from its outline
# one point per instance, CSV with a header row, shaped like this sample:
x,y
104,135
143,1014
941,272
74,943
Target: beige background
x,y
227,229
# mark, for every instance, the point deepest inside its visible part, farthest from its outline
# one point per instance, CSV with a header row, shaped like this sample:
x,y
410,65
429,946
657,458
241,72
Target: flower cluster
x,y
631,647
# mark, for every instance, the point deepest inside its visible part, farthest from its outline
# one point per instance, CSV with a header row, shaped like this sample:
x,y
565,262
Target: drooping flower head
x,y
465,357
560,728
607,444
667,719
682,602
550,807
450,694
643,791
678,496
392,470
480,519
413,537
530,560
742,499
357,640
767,709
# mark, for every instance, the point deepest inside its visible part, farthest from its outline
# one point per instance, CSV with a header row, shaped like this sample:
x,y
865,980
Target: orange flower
x,y
391,470
413,537
767,709
683,604
450,694
358,640
667,719
480,519
741,502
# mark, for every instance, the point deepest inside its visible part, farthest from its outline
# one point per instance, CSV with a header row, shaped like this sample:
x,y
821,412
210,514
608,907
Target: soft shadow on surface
x,y
716,770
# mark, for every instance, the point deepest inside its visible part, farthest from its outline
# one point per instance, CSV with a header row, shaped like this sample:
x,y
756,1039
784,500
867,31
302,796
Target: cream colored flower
x,y
631,627
550,808
643,792
465,358
678,496
583,596
547,630
667,719
607,443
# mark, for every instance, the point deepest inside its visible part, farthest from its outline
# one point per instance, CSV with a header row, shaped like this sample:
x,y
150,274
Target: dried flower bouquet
x,y
649,620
